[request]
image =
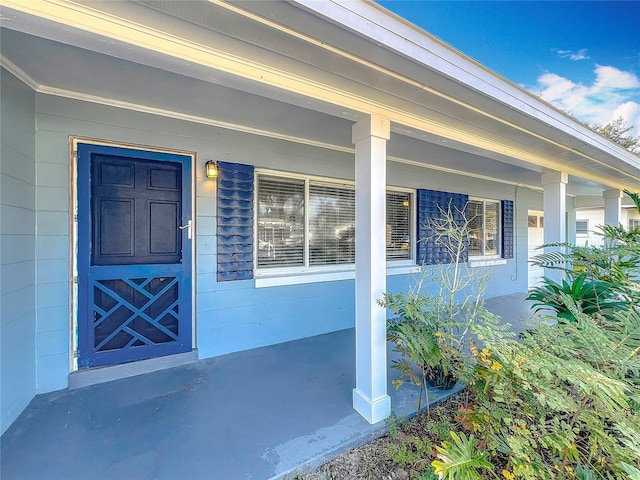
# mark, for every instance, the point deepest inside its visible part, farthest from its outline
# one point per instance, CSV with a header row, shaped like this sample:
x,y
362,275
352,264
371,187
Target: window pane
x,y
491,222
280,222
332,231
475,216
582,227
398,226
533,221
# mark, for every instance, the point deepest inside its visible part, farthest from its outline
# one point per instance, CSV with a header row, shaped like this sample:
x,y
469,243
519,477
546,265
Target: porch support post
x,y
555,220
370,397
612,206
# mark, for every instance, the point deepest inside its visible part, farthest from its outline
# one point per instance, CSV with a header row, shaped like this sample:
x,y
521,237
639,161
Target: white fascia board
x,y
386,28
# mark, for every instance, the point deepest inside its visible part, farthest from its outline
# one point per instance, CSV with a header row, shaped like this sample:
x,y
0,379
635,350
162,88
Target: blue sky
x,y
583,57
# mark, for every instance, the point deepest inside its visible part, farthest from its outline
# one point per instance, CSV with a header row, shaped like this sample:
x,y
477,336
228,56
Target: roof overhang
x,y
316,67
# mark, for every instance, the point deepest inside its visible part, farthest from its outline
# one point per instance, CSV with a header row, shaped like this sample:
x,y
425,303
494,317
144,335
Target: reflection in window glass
x,y
533,221
332,224
280,222
491,228
475,214
484,227
307,222
398,226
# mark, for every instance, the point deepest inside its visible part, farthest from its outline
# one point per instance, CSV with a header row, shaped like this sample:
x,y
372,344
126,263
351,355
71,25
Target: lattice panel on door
x,y
135,312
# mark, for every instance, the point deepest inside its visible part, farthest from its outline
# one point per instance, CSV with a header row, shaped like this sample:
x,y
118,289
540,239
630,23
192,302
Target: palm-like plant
x,y
593,296
460,460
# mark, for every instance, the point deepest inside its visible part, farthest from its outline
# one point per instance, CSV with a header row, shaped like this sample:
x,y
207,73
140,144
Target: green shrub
x,y
460,460
431,330
558,400
562,402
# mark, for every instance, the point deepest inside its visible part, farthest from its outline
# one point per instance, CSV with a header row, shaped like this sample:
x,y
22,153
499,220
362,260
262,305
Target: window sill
x,y
486,262
280,279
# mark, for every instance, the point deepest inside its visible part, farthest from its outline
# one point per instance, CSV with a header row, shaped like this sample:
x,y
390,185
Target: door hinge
x,y
76,353
76,279
75,155
75,217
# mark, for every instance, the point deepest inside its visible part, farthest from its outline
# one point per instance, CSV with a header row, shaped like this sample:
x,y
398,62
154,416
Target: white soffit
x,y
229,45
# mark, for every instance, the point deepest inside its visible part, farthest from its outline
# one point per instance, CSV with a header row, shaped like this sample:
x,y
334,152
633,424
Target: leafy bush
x,y
460,460
563,401
594,296
560,398
430,330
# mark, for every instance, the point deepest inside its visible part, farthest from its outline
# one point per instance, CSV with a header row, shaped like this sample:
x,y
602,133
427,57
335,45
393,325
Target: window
x,y
280,221
305,222
634,223
398,225
332,224
582,227
484,227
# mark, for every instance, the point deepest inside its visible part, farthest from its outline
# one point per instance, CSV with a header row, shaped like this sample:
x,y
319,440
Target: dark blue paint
x,y
92,277
136,207
235,222
429,206
507,228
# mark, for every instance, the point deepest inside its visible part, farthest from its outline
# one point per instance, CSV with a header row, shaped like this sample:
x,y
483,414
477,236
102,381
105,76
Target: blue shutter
x,y
507,228
429,203
235,222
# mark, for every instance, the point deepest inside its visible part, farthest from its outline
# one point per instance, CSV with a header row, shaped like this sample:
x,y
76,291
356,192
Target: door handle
x,y
188,227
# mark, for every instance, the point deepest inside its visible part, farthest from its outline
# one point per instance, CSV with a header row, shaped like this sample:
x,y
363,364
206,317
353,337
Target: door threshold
x,y
93,376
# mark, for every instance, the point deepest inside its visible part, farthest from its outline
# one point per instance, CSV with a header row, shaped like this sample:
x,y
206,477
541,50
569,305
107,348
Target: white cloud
x,y
630,111
612,78
571,55
614,93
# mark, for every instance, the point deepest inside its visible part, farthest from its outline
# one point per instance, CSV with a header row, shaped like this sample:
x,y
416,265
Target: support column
x,y
612,206
555,215
370,397
571,220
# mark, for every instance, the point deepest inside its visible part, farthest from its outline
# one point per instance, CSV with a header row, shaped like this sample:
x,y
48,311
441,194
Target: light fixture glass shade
x,y
211,169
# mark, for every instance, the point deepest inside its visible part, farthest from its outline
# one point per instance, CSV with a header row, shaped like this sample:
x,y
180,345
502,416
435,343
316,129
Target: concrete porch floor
x,y
259,414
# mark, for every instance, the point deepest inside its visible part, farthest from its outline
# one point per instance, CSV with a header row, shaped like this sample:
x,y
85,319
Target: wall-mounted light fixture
x,y
211,169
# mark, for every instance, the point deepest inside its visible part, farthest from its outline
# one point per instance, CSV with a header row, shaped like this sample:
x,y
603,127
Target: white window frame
x,y
582,233
479,260
632,223
292,275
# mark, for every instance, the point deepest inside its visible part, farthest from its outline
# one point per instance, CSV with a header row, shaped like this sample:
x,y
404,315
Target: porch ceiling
x,y
268,67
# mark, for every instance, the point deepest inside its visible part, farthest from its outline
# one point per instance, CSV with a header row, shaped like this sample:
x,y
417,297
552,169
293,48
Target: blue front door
x,y
134,254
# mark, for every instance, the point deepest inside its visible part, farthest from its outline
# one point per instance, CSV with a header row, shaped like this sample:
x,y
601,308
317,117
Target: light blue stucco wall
x,y
230,316
17,248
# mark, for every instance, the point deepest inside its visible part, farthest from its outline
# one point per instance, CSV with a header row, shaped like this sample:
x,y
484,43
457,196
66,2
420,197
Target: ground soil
x,y
405,453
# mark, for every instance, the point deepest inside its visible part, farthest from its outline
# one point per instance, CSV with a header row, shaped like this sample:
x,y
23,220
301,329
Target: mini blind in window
x,y
281,222
582,227
398,236
475,215
331,224
484,227
491,222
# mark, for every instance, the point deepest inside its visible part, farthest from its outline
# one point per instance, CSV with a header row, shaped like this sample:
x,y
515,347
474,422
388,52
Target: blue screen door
x,y
134,254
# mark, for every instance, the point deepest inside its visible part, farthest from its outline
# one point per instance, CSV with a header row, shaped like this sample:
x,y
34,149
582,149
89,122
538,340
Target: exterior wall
x,y
232,315
595,217
17,248
52,259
